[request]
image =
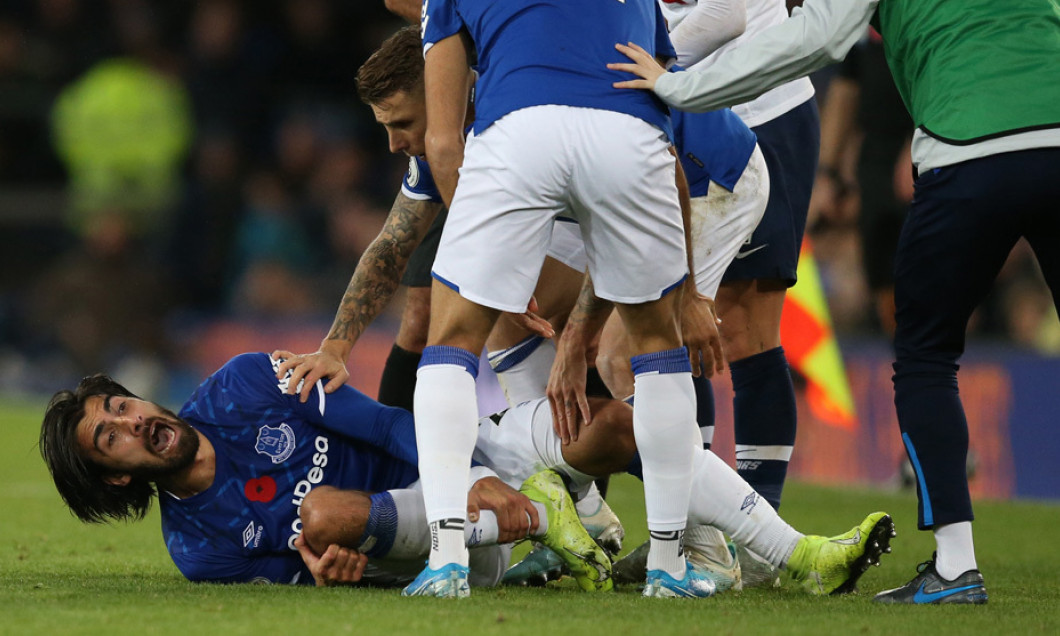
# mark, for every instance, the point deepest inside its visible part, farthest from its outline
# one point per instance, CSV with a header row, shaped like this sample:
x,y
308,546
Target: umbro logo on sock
x,y
749,503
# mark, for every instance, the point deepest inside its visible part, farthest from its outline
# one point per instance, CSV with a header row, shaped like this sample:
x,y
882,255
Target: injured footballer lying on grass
x,y
256,486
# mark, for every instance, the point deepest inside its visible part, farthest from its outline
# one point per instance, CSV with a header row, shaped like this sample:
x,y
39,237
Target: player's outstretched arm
x,y
566,382
371,288
447,80
819,33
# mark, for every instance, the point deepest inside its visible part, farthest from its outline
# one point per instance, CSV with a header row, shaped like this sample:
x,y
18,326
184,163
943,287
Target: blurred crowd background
x,y
168,165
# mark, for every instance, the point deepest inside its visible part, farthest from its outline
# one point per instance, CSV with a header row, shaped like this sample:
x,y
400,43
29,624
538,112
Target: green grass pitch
x,y
58,576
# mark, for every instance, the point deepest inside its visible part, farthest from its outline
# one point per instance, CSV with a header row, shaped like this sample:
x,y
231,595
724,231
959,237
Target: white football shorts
x,y
721,222
520,441
567,245
611,172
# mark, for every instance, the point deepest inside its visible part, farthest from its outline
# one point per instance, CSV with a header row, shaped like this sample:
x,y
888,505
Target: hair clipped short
x,y
397,66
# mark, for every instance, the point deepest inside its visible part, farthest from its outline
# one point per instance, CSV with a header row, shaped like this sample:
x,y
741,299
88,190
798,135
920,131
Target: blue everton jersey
x,y
419,182
537,52
271,451
713,146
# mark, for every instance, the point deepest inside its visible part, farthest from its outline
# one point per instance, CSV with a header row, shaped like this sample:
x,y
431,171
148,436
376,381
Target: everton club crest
x,y
275,441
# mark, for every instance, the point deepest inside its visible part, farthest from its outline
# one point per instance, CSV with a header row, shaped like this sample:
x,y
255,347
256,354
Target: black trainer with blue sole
x,y
929,588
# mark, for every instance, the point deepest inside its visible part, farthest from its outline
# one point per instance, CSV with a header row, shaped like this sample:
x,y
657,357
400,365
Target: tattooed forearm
x,y
379,270
589,313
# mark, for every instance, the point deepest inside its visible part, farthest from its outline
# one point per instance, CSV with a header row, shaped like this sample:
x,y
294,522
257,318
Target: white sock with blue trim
x,y
446,411
664,425
522,370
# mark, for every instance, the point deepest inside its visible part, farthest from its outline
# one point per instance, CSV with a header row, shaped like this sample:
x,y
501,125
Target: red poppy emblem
x,y
262,489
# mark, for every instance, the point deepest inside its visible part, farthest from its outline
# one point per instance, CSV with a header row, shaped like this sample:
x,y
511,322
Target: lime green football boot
x,y
833,565
566,536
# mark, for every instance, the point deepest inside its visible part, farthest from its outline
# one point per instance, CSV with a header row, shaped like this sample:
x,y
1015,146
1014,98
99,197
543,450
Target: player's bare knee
x,y
607,445
334,516
611,431
315,514
615,419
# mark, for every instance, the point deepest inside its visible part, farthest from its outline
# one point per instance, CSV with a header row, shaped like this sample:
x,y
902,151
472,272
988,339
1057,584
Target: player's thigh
x,y
750,313
457,321
625,199
607,444
1042,224
557,287
556,292
790,146
518,442
512,185
953,243
562,273
722,221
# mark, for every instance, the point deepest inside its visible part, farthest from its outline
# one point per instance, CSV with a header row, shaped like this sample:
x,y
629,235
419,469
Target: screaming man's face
x,y
134,438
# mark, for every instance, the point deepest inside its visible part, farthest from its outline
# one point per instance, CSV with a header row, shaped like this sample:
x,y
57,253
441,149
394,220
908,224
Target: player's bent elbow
x,y
441,145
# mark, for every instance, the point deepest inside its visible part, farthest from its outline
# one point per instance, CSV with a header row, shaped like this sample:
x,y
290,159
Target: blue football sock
x,y
764,417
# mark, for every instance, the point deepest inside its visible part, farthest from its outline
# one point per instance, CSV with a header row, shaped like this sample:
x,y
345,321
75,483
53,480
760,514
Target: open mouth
x,y
162,437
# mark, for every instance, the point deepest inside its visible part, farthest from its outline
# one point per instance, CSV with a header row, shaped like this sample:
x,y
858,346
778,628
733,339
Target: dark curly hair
x,y
80,481
396,66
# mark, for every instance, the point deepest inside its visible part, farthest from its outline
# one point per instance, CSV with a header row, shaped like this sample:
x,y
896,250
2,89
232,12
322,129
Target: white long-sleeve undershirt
x,y
819,33
707,26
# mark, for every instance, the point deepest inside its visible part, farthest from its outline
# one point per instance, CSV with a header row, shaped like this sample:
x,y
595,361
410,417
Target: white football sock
x,y
589,501
955,550
410,537
709,541
408,534
527,378
664,425
724,500
446,412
